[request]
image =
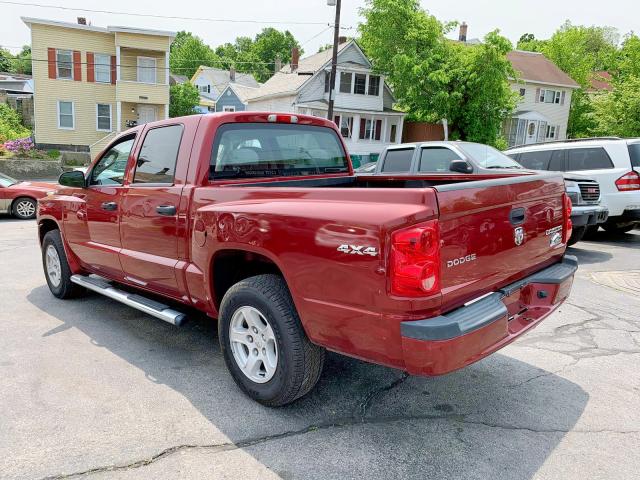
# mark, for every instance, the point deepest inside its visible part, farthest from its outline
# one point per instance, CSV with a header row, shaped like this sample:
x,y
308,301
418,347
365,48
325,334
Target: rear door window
x,y
157,158
590,158
398,160
535,160
436,159
634,154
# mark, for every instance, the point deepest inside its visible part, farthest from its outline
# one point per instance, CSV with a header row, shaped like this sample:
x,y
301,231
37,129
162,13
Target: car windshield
x,y
488,157
6,181
276,150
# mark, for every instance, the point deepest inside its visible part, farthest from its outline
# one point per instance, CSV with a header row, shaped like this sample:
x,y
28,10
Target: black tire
x,y
576,235
612,227
63,288
24,208
299,362
591,232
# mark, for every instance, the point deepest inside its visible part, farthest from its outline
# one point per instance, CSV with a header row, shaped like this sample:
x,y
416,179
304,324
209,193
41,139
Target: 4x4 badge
x,y
518,235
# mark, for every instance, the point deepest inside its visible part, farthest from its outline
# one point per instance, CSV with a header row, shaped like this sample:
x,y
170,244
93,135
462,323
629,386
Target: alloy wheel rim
x,y
25,208
54,268
253,344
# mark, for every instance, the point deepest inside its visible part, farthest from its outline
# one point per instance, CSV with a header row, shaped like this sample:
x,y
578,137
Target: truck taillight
x,y
415,260
629,181
568,225
282,118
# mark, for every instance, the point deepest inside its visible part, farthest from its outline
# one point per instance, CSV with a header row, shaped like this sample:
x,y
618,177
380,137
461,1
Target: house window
x,y
393,133
345,124
550,96
345,82
205,88
370,129
103,117
146,69
102,68
374,85
64,61
360,84
229,108
66,115
551,131
523,91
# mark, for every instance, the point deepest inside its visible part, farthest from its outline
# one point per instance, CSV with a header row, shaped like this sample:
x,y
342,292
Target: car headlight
x,y
569,184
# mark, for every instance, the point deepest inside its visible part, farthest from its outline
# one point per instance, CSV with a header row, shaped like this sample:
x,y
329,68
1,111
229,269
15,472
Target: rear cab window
x,y
398,160
589,158
156,161
255,150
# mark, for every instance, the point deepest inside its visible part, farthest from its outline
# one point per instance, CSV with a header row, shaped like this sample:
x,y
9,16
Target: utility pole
x,y
334,58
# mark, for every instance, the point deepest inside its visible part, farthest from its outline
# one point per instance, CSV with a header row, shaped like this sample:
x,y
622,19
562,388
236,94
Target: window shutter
x,y
537,95
562,97
90,67
113,69
51,57
77,66
378,129
363,123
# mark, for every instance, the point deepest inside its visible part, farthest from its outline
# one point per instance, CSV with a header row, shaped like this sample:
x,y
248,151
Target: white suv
x,y
613,162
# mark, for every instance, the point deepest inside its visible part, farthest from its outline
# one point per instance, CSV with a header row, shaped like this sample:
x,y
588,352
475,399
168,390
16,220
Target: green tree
x,y
5,60
11,126
21,63
618,112
188,52
183,99
529,42
435,78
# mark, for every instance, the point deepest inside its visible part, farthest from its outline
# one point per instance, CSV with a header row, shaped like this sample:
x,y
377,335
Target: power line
x,y
168,17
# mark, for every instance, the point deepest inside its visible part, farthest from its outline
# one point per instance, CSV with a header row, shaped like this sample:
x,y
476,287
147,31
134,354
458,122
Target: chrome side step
x,y
144,304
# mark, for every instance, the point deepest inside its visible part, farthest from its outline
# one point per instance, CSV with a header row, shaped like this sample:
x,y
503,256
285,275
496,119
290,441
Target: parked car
x,y
613,162
258,220
19,198
428,158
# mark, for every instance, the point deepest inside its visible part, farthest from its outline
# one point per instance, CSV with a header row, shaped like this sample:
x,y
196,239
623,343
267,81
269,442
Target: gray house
x,y
211,82
234,98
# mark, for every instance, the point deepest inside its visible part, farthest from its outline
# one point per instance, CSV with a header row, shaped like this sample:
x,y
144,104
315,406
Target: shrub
x,y
3,151
11,127
21,146
53,154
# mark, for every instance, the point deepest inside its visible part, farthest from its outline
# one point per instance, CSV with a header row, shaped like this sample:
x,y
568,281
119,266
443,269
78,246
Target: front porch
x,y
528,127
131,114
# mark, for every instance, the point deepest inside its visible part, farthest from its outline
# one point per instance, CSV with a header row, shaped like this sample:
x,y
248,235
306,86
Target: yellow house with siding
x,y
92,82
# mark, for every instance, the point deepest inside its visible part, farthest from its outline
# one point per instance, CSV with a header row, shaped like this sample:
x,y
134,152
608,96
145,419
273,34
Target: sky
x,y
512,17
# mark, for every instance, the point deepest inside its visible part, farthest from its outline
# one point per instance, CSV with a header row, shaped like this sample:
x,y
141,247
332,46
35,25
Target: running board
x,y
144,304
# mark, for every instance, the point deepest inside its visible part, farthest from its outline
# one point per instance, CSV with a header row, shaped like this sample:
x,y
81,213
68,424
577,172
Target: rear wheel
x,y
576,235
24,208
264,345
591,232
612,227
56,267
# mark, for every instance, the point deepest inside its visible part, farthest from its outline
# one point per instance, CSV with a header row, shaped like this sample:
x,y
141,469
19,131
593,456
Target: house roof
x,y
535,67
175,79
14,77
242,91
600,81
221,78
109,29
286,82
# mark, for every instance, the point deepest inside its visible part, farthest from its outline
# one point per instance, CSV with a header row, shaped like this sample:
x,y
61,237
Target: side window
x,y
556,164
157,159
110,169
398,161
634,154
593,158
535,160
436,159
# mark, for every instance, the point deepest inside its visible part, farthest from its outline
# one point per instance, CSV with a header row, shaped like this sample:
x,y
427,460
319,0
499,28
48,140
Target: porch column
x,y
355,134
118,73
118,117
399,130
166,111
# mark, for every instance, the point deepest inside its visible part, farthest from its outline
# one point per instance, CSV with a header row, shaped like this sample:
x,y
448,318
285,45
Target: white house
x,y
211,82
363,107
545,100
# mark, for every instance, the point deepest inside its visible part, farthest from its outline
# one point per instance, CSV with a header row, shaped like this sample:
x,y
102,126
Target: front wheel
x,y
24,208
56,267
264,345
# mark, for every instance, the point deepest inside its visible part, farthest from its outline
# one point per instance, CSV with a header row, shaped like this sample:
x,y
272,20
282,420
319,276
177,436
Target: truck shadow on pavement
x,y
500,418
588,252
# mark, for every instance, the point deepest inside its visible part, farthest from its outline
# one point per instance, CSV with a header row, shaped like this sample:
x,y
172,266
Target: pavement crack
x,y
365,404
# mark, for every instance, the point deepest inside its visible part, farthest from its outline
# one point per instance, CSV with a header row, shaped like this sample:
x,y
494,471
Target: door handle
x,y
168,210
110,206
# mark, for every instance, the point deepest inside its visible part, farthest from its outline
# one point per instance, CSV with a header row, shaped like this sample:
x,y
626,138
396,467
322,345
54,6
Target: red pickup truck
x,y
258,220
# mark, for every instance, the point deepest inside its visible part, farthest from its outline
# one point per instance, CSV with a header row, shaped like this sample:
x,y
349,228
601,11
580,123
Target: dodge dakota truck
x,y
258,220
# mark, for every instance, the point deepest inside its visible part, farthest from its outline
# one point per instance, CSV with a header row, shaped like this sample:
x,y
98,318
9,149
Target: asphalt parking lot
x,y
92,388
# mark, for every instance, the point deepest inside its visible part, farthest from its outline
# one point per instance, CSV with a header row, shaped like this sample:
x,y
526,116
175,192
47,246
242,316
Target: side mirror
x,y
74,178
460,166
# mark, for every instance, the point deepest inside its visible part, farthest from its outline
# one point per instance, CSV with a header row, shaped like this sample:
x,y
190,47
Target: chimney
x,y
295,58
278,64
232,74
82,21
342,40
463,32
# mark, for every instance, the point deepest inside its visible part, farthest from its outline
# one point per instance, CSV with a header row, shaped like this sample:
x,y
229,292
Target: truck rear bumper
x,y
440,345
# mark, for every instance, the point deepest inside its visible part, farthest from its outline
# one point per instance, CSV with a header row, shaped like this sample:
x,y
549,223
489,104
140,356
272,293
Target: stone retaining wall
x,y
31,169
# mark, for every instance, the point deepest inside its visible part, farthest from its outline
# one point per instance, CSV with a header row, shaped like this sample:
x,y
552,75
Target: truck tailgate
x,y
494,232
